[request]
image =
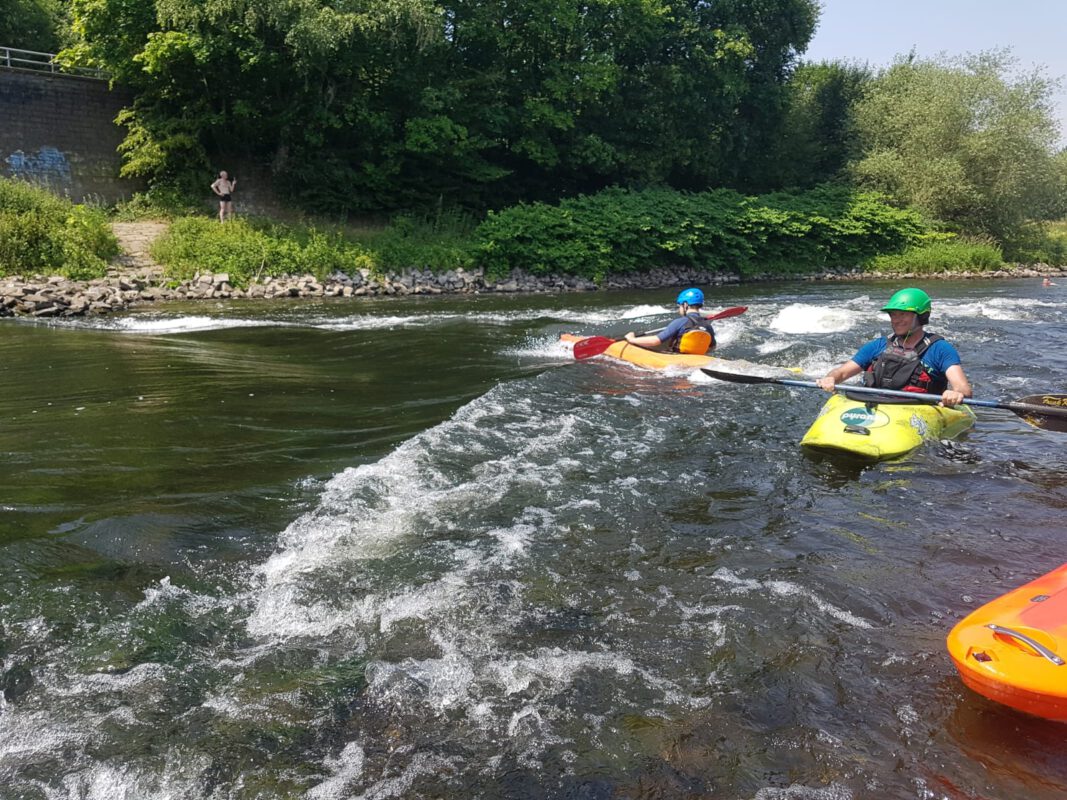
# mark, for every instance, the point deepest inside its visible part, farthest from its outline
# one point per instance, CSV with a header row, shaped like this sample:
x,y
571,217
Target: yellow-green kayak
x,y
878,431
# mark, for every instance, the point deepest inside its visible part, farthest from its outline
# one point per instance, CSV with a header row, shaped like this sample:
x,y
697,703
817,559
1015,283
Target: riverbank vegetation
x,y
595,237
250,250
589,139
42,233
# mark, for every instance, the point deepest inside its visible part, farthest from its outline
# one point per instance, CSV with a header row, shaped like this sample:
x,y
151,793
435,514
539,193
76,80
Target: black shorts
x,y
225,198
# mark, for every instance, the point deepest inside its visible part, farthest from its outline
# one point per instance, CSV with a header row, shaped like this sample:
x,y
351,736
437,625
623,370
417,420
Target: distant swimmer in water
x,y
1047,282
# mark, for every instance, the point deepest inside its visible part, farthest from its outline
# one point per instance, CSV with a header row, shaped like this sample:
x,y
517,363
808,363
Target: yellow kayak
x,y
878,431
652,359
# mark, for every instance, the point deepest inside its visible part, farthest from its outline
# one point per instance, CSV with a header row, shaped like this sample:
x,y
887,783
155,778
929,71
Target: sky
x,y
876,31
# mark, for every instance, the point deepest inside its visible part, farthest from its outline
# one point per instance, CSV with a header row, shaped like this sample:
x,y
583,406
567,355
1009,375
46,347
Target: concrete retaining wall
x,y
59,131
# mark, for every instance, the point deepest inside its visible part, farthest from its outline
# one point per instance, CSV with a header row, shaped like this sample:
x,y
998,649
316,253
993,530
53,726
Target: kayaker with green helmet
x,y
691,333
909,360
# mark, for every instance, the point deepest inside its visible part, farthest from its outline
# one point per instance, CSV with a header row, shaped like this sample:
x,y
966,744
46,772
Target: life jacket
x,y
903,370
696,337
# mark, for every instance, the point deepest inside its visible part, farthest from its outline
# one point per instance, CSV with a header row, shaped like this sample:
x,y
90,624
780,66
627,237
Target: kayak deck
x,y
1013,650
879,431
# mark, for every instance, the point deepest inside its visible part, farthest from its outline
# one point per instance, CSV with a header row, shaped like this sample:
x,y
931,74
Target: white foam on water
x,y
998,308
775,346
789,589
546,347
165,325
598,316
29,737
400,786
553,668
376,510
365,322
743,367
180,779
149,678
835,791
802,318
639,312
346,768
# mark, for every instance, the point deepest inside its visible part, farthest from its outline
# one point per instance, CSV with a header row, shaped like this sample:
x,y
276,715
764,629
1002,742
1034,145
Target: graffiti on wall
x,y
48,166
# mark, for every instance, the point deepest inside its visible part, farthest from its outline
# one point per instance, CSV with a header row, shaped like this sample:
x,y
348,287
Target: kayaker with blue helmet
x,y
690,333
909,360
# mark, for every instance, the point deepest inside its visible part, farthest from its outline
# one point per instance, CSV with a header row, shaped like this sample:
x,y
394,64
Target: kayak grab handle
x,y
1040,648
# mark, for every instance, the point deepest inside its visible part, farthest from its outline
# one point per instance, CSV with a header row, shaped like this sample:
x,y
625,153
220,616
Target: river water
x,y
413,549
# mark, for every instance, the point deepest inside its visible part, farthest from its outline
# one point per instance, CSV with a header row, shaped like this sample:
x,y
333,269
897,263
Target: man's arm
x,y
642,341
655,339
841,372
959,386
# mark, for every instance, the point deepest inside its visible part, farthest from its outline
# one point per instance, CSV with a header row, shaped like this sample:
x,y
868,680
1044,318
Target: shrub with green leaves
x,y
42,233
624,231
1039,244
943,255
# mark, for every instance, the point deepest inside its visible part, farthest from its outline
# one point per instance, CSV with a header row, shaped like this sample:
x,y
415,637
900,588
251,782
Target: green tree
x,y
967,140
817,138
382,104
32,24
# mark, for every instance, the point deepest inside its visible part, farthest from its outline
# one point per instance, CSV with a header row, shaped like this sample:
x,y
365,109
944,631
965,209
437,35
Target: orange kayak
x,y
1014,649
652,359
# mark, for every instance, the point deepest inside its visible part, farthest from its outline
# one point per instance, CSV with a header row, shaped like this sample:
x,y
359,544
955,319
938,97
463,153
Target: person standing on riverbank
x,y
224,187
691,333
909,360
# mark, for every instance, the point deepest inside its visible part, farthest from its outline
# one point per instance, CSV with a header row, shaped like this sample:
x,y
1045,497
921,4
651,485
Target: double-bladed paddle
x,y
1048,411
595,345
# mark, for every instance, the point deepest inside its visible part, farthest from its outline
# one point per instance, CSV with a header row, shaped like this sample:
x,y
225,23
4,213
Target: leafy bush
x,y
248,251
42,233
623,231
945,255
440,243
1039,244
159,202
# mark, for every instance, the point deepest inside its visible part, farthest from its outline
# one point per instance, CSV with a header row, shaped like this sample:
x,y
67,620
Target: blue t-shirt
x,y
679,324
937,359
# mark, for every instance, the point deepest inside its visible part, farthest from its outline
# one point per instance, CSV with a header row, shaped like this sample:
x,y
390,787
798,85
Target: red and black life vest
x,y
903,370
696,337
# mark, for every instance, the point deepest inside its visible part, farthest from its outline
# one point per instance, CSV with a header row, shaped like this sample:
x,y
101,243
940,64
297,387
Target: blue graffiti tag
x,y
48,165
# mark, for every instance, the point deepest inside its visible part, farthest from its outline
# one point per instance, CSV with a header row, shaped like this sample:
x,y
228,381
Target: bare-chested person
x,y
224,187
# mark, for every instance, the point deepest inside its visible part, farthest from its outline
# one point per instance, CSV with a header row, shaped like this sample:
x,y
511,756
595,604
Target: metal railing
x,y
14,58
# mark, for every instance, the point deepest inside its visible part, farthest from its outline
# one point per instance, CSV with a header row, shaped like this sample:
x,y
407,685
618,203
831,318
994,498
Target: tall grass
x,y
954,255
249,250
42,233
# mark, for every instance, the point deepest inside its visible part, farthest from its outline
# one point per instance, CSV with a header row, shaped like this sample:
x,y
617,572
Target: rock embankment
x,y
61,297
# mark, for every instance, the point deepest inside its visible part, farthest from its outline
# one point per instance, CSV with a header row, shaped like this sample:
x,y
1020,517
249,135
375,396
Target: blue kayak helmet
x,y
691,297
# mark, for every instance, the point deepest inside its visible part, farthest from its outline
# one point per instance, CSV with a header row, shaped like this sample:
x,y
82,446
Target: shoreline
x,y
57,296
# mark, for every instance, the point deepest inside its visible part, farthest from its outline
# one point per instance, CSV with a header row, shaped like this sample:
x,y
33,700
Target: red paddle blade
x,y
593,346
726,313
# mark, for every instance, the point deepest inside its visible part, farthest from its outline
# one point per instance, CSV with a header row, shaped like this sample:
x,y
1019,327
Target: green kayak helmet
x,y
915,300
